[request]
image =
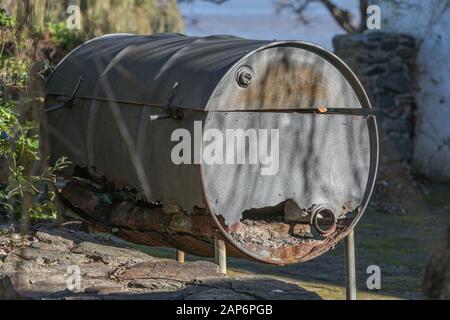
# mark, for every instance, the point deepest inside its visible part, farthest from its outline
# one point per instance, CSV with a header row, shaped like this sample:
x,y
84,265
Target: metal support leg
x,y
220,254
216,250
180,256
350,270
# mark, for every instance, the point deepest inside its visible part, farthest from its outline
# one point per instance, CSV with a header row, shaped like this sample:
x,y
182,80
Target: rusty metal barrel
x,y
119,108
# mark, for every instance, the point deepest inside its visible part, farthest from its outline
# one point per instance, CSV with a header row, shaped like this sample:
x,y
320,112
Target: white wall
x,y
429,22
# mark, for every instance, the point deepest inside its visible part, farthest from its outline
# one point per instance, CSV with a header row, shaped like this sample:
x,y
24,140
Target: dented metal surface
x,y
328,147
323,160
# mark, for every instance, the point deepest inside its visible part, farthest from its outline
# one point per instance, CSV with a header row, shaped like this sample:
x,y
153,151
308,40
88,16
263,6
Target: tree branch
x,y
343,17
363,11
212,1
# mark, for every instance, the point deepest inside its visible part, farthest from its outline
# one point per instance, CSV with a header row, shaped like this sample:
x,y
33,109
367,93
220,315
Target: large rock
x,y
41,265
436,284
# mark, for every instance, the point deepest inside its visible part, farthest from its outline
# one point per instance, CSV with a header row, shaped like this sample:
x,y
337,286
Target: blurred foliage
x,y
13,72
34,37
21,173
133,16
65,37
100,16
15,138
19,143
5,19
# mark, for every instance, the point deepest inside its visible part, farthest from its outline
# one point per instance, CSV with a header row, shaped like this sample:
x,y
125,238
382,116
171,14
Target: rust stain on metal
x,y
280,87
322,109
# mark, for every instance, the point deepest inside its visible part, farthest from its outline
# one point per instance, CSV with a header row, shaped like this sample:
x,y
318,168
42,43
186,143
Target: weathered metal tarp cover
x,y
325,158
194,73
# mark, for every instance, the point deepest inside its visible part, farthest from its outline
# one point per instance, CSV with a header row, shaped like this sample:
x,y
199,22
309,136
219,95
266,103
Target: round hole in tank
x,y
323,220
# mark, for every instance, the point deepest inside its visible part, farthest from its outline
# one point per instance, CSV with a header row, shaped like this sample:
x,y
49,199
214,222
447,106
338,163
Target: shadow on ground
x,y
400,244
36,267
69,263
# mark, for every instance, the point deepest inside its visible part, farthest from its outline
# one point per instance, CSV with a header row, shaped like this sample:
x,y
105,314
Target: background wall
x,y
429,23
385,63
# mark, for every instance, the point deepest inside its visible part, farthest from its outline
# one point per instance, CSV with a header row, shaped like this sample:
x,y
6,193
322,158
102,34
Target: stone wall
x,y
385,63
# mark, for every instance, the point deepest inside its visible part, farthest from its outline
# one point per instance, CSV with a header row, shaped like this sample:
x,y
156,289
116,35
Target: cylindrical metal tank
x,y
283,146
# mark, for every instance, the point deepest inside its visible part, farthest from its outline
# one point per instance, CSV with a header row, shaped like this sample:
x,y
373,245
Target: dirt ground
x,y
400,244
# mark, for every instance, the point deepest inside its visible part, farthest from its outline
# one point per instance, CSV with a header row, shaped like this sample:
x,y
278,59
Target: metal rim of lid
x,y
374,156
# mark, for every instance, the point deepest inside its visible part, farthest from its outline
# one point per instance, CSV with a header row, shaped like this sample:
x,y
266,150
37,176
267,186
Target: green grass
x,y
438,198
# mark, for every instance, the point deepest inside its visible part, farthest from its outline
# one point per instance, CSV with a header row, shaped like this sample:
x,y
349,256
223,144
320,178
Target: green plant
x,y
39,188
65,37
17,142
13,72
5,19
29,189
20,145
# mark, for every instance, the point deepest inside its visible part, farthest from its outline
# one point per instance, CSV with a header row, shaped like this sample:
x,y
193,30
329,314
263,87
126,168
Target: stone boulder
x,y
47,262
